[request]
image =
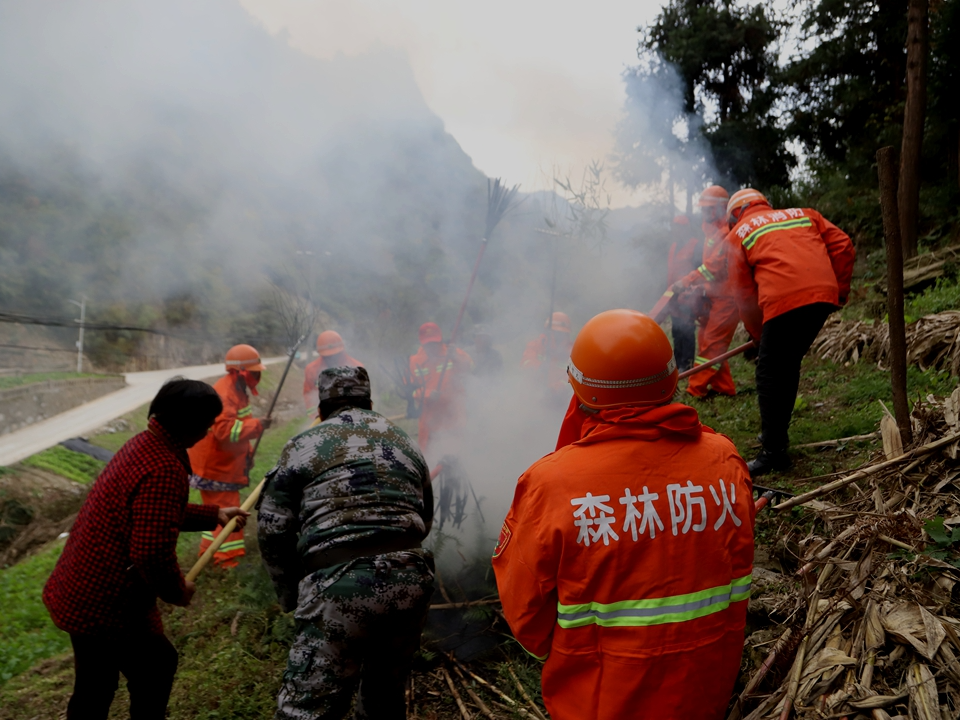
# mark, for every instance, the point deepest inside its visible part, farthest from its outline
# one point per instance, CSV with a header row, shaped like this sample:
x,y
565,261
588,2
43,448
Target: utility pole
x,y
83,312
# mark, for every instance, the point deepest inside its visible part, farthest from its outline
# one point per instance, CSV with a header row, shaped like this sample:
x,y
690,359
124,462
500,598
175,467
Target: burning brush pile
x,y
867,627
932,341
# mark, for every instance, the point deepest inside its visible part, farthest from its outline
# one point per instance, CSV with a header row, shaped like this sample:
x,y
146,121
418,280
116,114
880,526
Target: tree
x,y
725,56
908,192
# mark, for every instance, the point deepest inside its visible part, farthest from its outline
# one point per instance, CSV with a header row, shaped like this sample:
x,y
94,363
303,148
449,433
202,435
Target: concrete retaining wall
x,y
28,404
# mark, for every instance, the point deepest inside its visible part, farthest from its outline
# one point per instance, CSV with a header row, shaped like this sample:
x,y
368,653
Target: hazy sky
x,y
523,85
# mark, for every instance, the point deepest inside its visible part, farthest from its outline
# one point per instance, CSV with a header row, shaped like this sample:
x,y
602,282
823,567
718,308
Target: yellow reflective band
x,y
229,546
706,273
207,535
700,360
655,611
750,240
235,430
244,412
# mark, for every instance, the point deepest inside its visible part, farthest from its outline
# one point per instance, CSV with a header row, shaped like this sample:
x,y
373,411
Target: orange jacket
x,y
312,373
625,561
539,351
715,252
788,259
222,454
681,260
715,272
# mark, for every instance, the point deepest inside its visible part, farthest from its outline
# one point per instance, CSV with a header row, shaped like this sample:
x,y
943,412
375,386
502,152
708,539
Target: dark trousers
x,y
783,343
684,329
147,660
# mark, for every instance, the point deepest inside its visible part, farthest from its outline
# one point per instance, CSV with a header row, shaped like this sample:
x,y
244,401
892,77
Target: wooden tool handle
x,y
204,559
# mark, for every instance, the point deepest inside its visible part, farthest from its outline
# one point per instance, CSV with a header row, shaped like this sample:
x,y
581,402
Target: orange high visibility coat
x,y
788,259
312,373
539,352
445,410
222,454
625,562
714,255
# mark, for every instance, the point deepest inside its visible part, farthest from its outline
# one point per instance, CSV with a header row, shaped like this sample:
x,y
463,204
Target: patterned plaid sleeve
x,y
157,514
199,517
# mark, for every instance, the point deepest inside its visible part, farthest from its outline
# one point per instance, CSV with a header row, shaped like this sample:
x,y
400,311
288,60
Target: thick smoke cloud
x,y
173,156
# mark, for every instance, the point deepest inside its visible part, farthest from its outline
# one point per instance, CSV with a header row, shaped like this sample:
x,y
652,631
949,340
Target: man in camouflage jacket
x,y
340,524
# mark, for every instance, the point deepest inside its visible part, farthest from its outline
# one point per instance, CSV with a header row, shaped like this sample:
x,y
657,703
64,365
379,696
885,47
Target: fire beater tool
x,y
500,201
252,498
719,359
768,495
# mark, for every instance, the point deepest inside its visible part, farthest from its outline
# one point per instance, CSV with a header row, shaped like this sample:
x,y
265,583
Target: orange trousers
x,y
232,548
713,339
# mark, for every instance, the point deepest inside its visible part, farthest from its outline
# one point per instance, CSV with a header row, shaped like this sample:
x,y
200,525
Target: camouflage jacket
x,y
354,480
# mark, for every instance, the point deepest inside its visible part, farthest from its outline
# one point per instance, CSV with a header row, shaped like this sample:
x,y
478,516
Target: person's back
x,y
797,258
625,560
340,524
359,481
619,644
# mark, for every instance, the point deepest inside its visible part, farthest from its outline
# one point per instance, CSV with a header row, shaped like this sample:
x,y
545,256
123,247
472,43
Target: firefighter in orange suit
x,y
792,268
333,353
442,407
625,560
549,354
221,460
716,331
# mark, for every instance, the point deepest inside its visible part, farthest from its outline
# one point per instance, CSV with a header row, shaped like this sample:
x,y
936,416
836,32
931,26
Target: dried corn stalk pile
x,y
932,341
868,623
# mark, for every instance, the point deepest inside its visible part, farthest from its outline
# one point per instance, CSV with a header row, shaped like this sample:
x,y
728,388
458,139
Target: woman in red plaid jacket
x,y
121,556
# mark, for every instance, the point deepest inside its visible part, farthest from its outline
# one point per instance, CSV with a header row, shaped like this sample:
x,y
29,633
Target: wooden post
x,y
908,195
887,170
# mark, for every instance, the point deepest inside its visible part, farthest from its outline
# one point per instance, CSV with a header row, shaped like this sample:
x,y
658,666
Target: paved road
x,y
83,419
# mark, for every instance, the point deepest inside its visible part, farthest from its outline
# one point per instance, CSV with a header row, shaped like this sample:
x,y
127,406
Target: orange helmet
x,y
329,343
714,195
244,357
741,200
622,357
558,321
430,332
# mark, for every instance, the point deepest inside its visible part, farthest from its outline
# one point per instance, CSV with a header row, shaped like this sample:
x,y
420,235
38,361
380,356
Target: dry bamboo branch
x,y
794,680
838,441
490,686
477,700
459,605
456,695
523,692
866,472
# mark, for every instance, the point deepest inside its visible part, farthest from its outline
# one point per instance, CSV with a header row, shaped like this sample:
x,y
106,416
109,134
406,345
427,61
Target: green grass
x,y
26,632
944,295
12,381
72,465
835,401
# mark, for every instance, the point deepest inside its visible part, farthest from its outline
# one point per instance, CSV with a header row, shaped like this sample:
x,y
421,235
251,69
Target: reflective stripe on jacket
x,y
625,562
222,454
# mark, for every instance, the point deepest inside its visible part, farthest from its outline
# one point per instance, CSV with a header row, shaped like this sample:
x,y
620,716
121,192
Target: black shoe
x,y
768,461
